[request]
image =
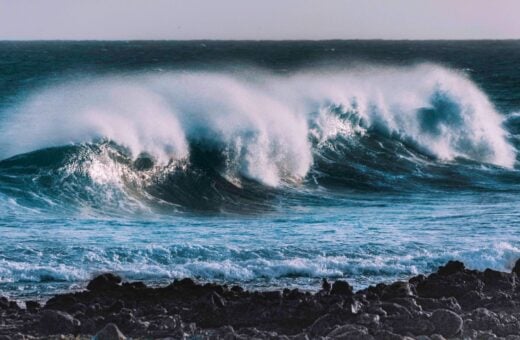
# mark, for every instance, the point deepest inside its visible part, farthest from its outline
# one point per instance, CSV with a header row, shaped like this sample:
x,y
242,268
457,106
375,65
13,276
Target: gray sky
x,y
260,19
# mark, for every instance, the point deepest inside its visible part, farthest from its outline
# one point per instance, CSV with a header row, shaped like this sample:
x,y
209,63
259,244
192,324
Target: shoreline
x,y
453,302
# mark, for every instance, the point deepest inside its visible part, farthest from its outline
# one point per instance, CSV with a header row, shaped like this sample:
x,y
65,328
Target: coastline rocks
x,y
452,303
103,282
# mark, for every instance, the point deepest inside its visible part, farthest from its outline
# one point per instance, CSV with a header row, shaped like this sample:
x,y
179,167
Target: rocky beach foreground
x,y
454,302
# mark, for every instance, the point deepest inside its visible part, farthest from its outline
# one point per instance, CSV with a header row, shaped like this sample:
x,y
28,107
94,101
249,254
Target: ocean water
x,y
269,164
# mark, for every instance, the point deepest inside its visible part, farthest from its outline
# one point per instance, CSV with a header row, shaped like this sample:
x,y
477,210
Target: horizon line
x,y
254,40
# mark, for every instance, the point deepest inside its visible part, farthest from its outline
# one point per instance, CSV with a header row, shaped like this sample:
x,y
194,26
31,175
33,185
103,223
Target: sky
x,y
258,20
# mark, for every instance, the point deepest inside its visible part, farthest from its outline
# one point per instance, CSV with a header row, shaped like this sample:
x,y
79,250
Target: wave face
x,y
231,135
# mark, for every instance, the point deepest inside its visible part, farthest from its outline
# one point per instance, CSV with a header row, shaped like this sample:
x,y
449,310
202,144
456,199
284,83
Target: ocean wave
x,y
198,139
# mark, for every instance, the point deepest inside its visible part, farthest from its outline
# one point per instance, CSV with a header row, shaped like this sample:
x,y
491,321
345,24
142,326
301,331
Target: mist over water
x,y
240,172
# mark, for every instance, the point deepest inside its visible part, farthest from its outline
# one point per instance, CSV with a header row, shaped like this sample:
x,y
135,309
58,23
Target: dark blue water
x,y
271,164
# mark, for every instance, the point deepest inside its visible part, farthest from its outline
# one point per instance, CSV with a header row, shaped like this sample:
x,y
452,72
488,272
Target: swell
x,y
228,141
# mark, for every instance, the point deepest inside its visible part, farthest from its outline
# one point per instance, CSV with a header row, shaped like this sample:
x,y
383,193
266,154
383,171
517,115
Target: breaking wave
x,y
201,139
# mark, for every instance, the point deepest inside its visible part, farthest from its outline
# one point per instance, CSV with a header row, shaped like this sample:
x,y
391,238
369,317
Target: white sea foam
x,y
159,265
266,124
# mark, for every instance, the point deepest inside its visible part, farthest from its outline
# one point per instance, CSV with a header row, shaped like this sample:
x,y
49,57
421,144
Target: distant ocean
x,y
269,164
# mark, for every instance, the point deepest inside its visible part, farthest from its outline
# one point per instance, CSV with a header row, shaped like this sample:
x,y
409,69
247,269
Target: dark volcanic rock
x,y
105,281
110,332
455,302
56,322
451,267
443,303
340,287
418,325
456,284
4,302
484,319
495,280
32,305
516,268
397,289
446,322
325,286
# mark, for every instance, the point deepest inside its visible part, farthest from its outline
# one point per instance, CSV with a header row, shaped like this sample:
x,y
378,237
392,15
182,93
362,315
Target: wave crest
x,y
237,129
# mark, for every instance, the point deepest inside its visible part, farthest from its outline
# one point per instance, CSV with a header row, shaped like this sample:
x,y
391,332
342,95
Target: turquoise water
x,y
265,164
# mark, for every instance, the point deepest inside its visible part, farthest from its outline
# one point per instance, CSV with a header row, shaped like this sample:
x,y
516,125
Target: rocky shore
x,y
454,302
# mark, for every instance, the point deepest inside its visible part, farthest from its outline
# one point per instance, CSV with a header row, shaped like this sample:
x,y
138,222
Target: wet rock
x,y
57,322
116,306
274,296
323,325
218,300
340,287
368,320
110,332
397,290
78,307
376,309
456,284
500,324
495,280
446,322
409,303
61,302
484,319
185,284
339,330
134,285
88,326
4,302
417,279
451,267
417,325
443,303
213,300
237,289
471,299
107,281
32,305
354,307
394,309
516,268
325,286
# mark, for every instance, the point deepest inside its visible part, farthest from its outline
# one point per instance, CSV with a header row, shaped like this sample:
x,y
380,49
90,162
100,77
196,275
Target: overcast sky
x,y
260,19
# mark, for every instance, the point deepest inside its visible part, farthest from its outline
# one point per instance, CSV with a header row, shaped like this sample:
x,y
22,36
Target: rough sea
x,y
269,164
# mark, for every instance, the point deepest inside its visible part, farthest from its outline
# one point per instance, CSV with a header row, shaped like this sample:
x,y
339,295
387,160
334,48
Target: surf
x,y
227,136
